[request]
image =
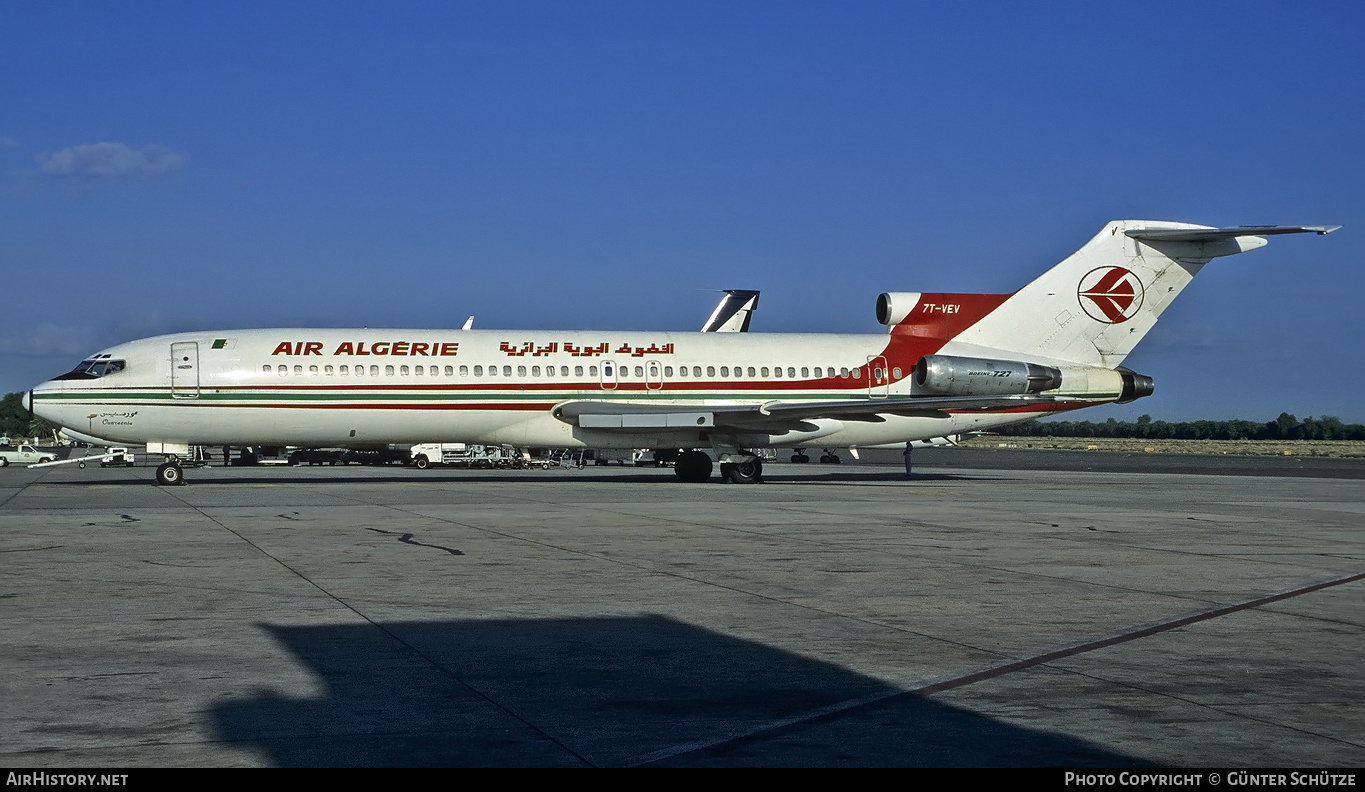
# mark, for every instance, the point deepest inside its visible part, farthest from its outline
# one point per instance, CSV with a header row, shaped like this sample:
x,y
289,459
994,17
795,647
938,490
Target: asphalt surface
x,y
989,611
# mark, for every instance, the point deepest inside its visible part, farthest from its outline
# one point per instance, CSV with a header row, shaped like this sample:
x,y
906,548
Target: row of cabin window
x,y
549,371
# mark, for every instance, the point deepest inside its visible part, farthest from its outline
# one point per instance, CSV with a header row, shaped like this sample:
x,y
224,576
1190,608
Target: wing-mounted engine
x,y
950,375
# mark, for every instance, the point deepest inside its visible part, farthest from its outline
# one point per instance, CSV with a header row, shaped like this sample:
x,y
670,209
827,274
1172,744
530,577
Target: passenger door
x,y
185,370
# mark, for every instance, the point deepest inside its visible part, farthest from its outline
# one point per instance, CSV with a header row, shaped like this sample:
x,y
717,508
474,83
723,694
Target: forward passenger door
x,y
185,370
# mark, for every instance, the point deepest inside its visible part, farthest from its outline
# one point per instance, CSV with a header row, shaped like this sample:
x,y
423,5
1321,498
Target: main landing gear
x,y
829,457
747,472
692,467
695,467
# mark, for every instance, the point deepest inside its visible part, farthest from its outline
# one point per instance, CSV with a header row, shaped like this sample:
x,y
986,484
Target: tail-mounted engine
x,y
1135,386
892,307
963,376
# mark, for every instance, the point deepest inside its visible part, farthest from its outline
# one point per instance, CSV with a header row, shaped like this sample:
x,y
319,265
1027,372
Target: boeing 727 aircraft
x,y
947,364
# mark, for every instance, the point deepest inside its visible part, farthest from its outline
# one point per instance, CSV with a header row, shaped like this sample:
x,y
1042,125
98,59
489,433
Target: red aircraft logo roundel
x,y
1110,294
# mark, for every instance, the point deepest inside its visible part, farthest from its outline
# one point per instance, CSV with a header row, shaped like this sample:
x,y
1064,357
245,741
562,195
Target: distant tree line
x,y
1285,427
17,424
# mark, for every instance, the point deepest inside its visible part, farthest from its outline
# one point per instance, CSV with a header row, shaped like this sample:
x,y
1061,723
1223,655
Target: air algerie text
x,y
359,348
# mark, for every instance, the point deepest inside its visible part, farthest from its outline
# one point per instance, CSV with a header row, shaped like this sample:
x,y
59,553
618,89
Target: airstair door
x,y
185,370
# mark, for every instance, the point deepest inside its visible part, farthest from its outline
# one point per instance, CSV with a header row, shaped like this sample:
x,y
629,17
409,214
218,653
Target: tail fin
x,y
1096,305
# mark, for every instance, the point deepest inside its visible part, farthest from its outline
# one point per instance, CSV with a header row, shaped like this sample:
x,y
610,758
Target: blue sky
x,y
175,166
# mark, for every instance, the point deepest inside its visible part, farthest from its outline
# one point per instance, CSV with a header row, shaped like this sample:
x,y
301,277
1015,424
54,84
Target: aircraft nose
x,y
28,403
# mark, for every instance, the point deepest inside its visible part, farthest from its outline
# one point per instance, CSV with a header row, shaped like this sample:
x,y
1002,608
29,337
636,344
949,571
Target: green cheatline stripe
x,y
247,397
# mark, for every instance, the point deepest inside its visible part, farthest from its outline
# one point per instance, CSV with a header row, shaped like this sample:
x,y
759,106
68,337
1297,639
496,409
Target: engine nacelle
x,y
949,375
1119,385
893,307
1135,386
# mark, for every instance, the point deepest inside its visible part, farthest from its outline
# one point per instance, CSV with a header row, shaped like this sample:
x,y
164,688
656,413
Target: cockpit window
x,y
94,369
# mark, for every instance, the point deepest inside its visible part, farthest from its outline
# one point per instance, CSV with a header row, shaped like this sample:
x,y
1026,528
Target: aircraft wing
x,y
774,417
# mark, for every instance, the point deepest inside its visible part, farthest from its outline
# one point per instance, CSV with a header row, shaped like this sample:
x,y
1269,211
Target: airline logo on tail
x,y
1110,294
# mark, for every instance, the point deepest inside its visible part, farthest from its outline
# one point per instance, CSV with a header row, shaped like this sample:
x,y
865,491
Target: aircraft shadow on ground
x,y
604,692
854,476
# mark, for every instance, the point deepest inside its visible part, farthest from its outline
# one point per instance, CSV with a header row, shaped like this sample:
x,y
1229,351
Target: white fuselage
x,y
359,388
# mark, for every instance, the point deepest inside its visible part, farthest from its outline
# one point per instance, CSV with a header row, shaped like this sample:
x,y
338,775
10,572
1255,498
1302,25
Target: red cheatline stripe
x,y
725,386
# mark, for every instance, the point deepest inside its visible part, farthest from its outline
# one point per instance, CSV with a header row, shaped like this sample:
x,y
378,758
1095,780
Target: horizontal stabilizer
x,y
1209,234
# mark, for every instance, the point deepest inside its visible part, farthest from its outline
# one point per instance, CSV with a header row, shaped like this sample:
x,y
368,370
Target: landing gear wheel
x,y
80,465
750,472
170,474
692,467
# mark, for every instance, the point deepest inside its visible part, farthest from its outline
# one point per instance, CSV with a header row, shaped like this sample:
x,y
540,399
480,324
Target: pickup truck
x,y
24,454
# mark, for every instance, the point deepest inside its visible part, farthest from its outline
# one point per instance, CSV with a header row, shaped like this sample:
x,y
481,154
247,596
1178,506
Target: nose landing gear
x,y
170,473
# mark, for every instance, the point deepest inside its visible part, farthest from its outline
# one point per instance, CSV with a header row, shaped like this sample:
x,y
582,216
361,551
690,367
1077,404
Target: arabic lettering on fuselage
x,y
534,350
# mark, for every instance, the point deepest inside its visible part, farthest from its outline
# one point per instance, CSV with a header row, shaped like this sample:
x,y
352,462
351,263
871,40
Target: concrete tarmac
x,y
973,615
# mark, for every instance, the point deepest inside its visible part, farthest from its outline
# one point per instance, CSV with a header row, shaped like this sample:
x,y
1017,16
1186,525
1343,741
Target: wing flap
x,y
774,416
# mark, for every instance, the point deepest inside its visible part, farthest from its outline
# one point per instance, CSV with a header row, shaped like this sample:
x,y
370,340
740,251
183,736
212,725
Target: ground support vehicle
x,y
106,458
25,454
116,456
318,456
424,455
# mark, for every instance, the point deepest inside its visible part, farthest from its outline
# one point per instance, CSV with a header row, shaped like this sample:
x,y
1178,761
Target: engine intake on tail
x,y
892,307
963,376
